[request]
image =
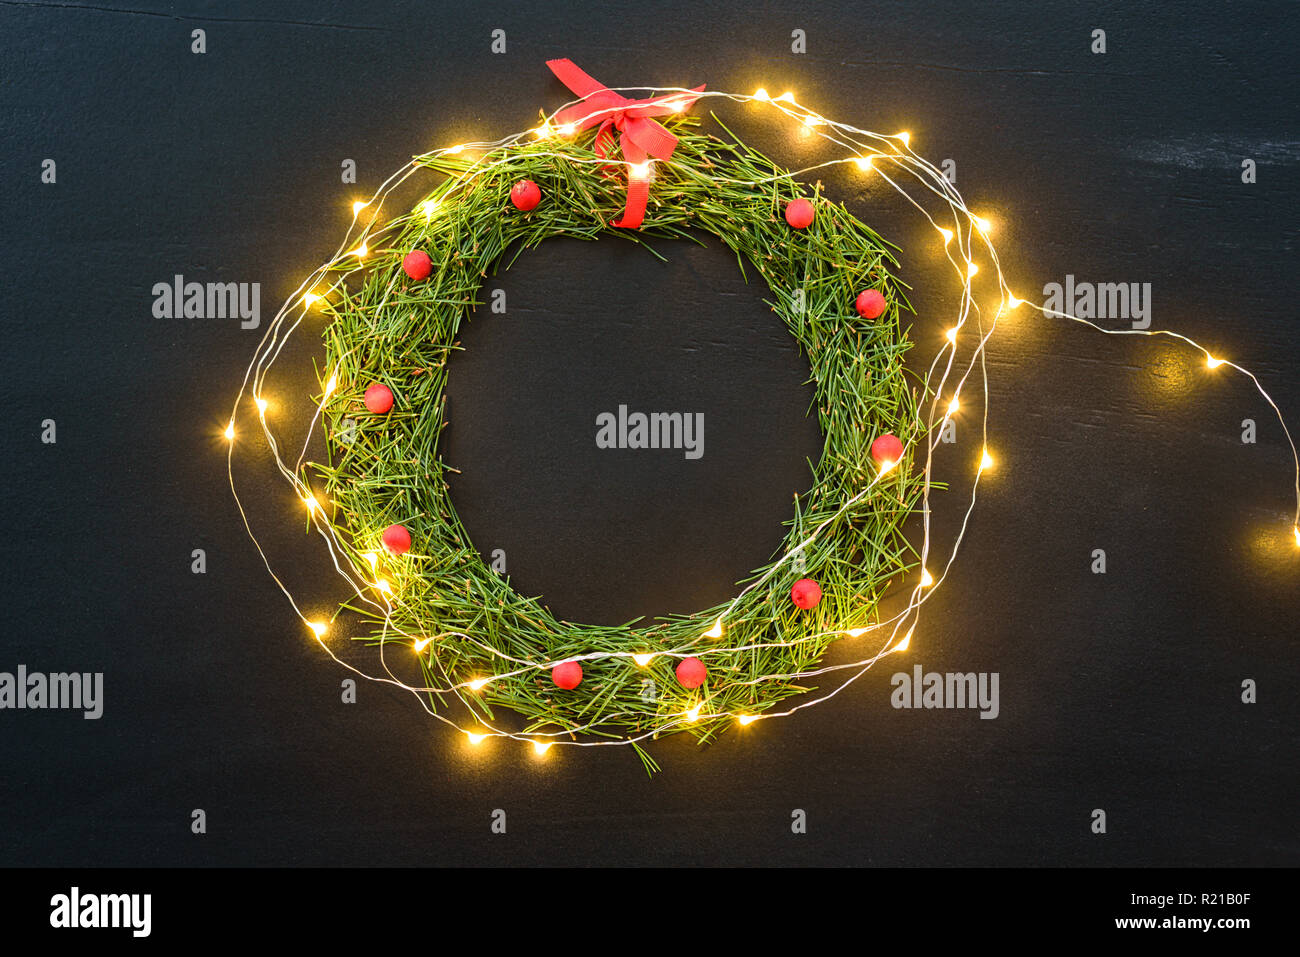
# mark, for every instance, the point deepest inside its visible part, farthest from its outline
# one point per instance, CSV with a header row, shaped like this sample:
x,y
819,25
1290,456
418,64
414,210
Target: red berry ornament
x,y
806,593
525,194
417,264
691,673
379,398
799,213
567,675
887,448
870,303
397,539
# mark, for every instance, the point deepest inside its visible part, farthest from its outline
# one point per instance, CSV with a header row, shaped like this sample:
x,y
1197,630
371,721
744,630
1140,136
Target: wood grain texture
x,y
1119,691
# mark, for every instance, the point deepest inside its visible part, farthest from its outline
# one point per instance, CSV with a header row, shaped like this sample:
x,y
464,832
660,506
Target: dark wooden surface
x,y
1118,692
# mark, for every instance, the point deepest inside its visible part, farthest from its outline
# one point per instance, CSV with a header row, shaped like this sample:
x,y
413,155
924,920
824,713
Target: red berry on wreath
x,y
870,303
525,194
887,448
567,675
691,673
397,539
379,398
799,213
806,593
417,264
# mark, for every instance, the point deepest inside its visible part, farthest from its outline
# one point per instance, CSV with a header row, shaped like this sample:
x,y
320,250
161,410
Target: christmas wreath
x,y
387,352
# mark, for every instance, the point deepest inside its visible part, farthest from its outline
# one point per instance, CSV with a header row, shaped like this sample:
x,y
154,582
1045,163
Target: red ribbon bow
x,y
640,136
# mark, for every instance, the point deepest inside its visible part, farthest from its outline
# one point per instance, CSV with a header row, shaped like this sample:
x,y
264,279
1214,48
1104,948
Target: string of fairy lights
x,y
963,233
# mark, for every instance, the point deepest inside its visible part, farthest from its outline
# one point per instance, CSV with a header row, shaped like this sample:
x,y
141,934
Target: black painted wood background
x,y
1118,691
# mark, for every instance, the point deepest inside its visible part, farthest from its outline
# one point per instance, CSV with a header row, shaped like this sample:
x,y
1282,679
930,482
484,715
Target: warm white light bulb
x,y
318,627
971,270
310,501
694,713
947,235
361,251
643,660
982,224
475,738
384,587
1212,362
421,644
904,136
568,129
747,718
716,630
453,150
310,299
864,163
358,206
230,432
640,170
786,97
952,334
857,632
477,684
541,747
1013,302
261,404
953,406
1297,535
986,461
761,95
926,578
907,640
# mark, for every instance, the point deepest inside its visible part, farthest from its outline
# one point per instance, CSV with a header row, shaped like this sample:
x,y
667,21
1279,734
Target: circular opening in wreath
x,y
629,433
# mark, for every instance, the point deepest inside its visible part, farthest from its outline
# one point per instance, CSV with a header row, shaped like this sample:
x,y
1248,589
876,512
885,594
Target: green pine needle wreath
x,y
386,469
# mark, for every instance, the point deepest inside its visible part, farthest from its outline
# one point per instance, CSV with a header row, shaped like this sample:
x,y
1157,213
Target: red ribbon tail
x,y
638,194
577,80
638,188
